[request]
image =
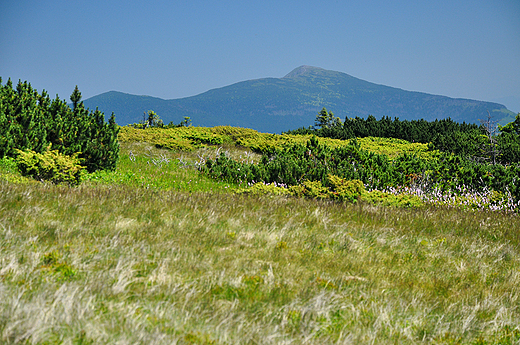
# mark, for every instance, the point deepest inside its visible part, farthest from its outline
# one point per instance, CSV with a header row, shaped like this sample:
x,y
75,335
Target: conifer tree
x,y
75,98
30,121
326,119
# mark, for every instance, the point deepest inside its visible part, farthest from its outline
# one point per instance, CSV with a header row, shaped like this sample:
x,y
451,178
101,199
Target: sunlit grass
x,y
118,264
192,138
9,172
155,253
144,166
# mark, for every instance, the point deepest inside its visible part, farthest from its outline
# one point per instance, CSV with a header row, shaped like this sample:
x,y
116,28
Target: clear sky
x,y
173,49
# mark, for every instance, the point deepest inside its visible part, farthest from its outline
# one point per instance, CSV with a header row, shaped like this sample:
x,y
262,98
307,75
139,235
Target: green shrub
x,y
50,166
261,188
32,121
389,199
343,189
205,138
310,189
9,172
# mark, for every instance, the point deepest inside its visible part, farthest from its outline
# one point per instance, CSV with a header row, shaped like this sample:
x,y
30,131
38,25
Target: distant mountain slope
x,y
279,104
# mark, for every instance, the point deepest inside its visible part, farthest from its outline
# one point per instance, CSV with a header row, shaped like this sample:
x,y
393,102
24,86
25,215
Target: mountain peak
x,y
303,70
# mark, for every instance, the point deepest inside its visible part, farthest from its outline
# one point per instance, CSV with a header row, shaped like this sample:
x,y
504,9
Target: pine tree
x,y
75,98
30,121
326,119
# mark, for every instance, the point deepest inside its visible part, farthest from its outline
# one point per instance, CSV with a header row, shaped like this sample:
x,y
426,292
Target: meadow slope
x,y
119,264
157,253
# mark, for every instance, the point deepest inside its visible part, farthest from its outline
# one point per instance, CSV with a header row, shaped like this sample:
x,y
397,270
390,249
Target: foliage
x,y
314,162
327,120
9,172
340,189
343,189
508,142
446,135
261,188
508,147
32,121
512,127
151,119
310,189
193,138
50,166
392,199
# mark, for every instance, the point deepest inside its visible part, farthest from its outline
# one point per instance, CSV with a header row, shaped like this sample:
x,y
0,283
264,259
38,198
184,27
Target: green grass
x,y
9,172
155,253
100,264
143,165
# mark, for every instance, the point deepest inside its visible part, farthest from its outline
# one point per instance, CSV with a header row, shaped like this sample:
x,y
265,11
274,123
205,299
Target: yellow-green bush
x,y
310,189
261,188
50,166
191,138
343,189
389,199
340,189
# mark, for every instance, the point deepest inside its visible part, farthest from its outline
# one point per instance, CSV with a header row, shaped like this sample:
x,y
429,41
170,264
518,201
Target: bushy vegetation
x,y
50,166
314,161
446,135
380,163
193,138
340,189
32,121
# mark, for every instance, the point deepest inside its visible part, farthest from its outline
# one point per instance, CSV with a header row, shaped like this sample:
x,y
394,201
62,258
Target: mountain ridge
x,y
278,104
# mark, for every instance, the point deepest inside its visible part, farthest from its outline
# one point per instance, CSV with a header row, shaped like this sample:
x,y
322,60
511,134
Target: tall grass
x,y
101,264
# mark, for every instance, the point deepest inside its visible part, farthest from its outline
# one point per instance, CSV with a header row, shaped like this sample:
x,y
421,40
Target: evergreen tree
x,y
511,127
75,98
326,119
30,121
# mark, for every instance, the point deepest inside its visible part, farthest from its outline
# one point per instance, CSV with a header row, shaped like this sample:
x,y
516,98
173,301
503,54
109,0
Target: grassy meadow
x,y
156,253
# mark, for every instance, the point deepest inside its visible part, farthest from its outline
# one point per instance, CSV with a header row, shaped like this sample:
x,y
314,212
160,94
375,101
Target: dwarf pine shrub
x,y
343,189
388,199
32,121
50,166
261,188
310,189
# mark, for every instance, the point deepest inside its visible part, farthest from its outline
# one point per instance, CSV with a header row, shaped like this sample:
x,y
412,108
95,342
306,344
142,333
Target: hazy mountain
x,y
279,104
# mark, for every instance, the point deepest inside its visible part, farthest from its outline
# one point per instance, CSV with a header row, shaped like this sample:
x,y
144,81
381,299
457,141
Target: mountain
x,y
273,105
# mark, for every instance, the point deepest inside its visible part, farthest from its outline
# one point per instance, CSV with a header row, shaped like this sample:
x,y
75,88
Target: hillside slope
x,y
279,104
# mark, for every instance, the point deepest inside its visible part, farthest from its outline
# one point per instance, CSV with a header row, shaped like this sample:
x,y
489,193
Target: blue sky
x,y
174,49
